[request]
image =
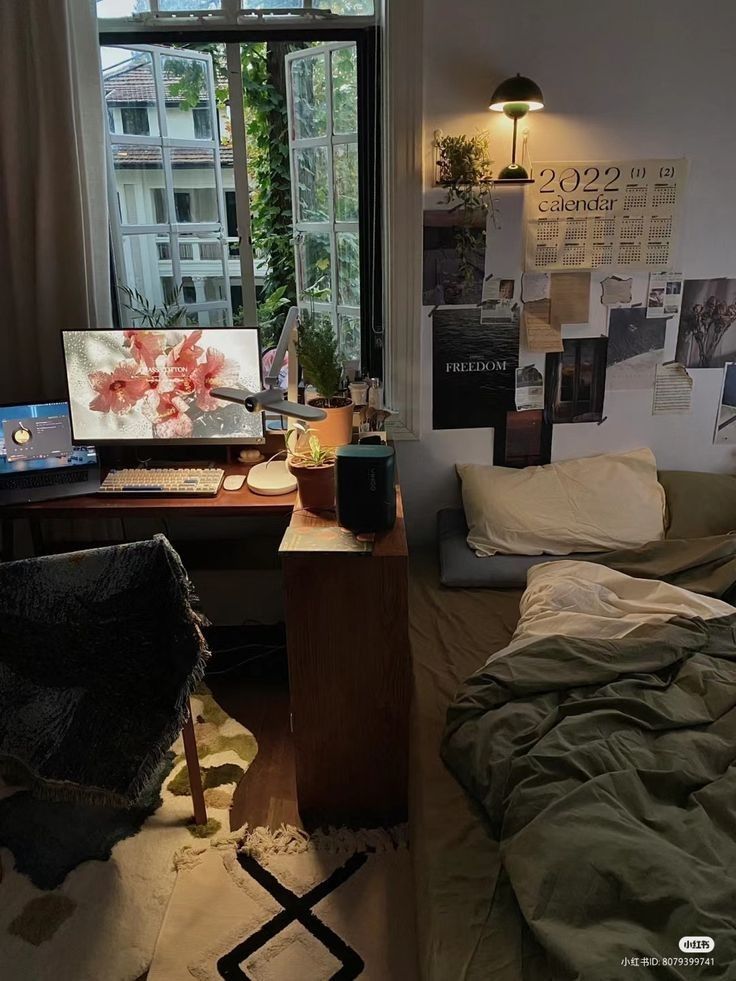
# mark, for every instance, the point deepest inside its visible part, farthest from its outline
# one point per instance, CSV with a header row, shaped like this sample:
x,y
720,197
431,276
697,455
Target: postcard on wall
x,y
569,298
454,258
524,439
673,389
587,215
665,294
707,331
635,348
615,291
535,287
473,369
529,388
539,334
575,381
725,431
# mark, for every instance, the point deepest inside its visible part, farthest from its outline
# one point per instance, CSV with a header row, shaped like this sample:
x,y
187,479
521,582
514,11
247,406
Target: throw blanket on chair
x,y
99,652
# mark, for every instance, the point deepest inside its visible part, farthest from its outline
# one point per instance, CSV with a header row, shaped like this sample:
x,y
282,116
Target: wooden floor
x,y
267,793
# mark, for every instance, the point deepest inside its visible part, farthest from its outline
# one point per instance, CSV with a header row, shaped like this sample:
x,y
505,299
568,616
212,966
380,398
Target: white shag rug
x,y
286,907
105,917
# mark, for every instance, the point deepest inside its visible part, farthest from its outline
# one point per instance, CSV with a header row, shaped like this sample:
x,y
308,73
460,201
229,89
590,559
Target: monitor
x,y
154,386
37,436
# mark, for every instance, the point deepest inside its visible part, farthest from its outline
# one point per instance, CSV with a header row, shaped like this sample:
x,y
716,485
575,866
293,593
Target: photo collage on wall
x,y
521,353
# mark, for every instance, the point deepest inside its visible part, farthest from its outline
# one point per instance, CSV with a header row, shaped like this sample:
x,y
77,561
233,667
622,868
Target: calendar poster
x,y
590,215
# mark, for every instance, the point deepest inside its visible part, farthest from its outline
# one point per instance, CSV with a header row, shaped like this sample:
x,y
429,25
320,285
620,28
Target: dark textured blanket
x,y
99,651
607,769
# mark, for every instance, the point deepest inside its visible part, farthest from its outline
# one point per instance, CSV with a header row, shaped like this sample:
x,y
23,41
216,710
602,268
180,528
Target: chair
x,y
99,653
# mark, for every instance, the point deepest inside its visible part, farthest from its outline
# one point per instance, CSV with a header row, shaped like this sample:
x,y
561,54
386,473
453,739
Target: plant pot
x,y
337,428
316,485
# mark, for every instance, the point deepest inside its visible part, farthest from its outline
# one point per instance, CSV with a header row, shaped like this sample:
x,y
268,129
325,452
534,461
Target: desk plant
x,y
314,469
322,367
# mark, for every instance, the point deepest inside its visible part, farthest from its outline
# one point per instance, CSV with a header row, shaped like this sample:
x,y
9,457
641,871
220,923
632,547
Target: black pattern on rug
x,y
295,909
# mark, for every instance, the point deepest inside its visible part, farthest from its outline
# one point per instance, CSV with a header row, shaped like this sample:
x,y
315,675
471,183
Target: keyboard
x,y
173,482
48,478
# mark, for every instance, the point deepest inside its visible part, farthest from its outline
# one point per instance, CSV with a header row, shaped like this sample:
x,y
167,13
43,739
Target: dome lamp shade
x,y
515,97
517,93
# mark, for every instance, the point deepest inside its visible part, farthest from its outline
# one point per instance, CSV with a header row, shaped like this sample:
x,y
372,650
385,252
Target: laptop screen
x,y
38,436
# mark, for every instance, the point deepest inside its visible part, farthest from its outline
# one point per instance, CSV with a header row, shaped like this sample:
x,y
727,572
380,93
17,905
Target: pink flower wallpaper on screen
x,y
157,384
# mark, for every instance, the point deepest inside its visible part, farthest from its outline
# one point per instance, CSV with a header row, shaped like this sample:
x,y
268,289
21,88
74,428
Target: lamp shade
x,y
517,91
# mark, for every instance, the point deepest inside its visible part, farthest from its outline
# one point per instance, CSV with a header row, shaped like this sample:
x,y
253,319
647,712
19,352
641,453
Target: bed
x,y
471,923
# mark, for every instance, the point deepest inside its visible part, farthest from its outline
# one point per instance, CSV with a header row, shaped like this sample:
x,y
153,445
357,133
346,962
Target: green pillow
x,y
699,504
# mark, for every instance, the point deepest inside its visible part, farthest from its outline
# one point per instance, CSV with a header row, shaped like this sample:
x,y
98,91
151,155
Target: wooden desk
x,y
227,504
349,677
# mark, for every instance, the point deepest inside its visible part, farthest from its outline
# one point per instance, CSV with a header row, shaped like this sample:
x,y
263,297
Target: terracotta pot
x,y
316,485
337,428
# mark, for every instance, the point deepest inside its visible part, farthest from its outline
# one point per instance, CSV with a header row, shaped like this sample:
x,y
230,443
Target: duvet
x,y
601,744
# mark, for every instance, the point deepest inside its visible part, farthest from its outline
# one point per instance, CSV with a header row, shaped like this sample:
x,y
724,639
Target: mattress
x,y
453,632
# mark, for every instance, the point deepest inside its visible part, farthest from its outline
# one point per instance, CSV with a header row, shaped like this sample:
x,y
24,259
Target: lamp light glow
x,y
515,97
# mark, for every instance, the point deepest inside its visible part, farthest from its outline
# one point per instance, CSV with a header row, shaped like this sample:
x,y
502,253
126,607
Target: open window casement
x,y
323,152
168,219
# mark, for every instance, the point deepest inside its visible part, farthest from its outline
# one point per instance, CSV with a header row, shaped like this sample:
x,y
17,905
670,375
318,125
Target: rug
x,y
102,921
286,907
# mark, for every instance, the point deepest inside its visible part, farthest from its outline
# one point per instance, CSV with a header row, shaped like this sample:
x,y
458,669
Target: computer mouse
x,y
234,481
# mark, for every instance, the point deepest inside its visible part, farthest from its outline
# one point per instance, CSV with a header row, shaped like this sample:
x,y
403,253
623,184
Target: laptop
x,y
38,461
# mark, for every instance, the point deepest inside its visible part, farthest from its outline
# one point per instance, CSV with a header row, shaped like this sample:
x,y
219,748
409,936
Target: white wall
x,y
621,80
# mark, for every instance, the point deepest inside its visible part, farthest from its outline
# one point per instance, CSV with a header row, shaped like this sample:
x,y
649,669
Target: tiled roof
x,y
135,84
139,157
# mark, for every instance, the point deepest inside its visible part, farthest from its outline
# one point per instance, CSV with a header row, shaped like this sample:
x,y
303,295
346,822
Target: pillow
x,y
593,504
699,504
461,567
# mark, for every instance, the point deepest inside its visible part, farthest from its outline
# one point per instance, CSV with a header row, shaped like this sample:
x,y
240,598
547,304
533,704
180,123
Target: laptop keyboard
x,y
44,479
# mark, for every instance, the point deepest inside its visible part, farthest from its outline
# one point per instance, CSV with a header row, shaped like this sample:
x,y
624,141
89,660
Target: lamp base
x,y
513,172
271,479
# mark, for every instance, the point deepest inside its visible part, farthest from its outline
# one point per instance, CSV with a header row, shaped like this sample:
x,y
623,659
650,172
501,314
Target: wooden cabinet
x,y
349,677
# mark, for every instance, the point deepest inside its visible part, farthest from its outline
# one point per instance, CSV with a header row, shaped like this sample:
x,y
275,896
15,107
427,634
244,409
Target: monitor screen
x,y
37,436
155,385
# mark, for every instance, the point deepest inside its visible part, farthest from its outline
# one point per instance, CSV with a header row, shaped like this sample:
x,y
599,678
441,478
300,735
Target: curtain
x,y
54,240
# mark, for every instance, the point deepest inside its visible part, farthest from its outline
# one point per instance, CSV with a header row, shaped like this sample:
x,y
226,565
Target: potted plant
x,y
464,169
314,469
320,361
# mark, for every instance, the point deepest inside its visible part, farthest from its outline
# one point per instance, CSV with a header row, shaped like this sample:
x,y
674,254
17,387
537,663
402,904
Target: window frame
x,y
367,38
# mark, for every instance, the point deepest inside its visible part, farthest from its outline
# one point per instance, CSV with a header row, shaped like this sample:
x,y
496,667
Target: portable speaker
x,y
364,486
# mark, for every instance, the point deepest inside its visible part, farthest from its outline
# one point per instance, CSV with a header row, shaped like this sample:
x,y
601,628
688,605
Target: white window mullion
x,y
242,190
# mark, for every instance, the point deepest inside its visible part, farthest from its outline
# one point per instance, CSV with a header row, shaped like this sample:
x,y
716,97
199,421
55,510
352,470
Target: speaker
x,y
364,487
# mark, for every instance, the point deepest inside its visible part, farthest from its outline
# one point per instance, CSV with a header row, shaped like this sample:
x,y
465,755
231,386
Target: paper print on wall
x,y
615,291
524,440
575,381
635,348
586,215
529,388
725,431
673,389
707,332
454,258
664,295
473,369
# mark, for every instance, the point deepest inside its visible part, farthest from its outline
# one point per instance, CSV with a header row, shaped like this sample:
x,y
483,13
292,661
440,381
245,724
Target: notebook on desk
x,y
332,539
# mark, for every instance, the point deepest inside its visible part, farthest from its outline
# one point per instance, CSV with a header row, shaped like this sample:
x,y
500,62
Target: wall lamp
x,y
515,97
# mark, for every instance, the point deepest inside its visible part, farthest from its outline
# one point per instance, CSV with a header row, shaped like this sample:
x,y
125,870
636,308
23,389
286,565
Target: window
x,y
575,380
135,120
202,119
169,183
110,120
183,205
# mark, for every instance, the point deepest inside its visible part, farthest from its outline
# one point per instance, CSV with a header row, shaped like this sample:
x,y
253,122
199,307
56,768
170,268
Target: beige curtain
x,y
54,255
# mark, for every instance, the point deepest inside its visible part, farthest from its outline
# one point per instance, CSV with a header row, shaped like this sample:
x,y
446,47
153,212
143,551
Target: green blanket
x,y
607,771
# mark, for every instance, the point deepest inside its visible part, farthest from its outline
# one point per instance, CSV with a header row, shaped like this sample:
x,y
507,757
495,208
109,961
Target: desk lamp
x,y
515,97
273,477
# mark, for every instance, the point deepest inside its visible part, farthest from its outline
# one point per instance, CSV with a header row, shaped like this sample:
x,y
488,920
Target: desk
x,y
227,504
349,677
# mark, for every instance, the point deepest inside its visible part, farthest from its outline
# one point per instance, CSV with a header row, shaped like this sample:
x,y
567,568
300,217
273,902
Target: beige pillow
x,y
592,504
